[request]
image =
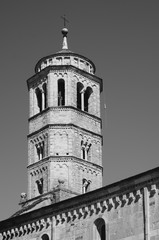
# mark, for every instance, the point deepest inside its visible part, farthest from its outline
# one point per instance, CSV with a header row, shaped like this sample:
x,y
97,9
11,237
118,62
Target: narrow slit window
x,y
83,153
40,185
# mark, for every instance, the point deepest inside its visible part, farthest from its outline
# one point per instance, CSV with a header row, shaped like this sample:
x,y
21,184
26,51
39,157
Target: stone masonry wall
x,y
68,172
65,141
65,116
119,215
71,175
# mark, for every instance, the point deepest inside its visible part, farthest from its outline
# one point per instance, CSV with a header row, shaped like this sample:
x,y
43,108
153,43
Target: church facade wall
x,y
122,211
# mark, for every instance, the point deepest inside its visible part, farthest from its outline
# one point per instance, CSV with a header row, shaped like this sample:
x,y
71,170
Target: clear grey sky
x,y
121,37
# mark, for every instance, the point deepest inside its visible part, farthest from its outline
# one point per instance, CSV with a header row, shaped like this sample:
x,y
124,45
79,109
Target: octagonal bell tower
x,y
64,141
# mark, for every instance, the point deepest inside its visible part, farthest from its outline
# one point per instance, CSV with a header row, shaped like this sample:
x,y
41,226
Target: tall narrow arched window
x,y
80,96
45,95
87,94
39,98
61,92
99,231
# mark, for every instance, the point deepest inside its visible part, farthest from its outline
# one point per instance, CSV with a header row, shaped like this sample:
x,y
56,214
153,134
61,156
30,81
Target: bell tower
x,y
64,141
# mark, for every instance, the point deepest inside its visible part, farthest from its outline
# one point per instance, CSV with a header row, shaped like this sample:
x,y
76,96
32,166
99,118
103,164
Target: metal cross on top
x,y
65,20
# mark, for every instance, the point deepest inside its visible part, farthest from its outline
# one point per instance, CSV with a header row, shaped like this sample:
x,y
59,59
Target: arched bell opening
x,y
39,99
61,92
87,95
80,87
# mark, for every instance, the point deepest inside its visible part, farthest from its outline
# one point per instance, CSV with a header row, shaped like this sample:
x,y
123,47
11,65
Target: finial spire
x,y
64,32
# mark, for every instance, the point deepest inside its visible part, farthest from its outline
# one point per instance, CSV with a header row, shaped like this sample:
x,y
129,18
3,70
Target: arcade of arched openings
x,y
99,229
83,97
41,95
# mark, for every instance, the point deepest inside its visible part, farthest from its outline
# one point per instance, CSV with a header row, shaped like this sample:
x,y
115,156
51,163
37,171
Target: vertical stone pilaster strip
x,y
31,102
29,185
55,89
51,90
107,231
67,88
35,103
146,214
43,100
51,222
53,228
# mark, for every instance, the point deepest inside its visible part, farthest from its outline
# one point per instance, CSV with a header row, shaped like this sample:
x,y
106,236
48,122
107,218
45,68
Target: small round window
x,y
45,237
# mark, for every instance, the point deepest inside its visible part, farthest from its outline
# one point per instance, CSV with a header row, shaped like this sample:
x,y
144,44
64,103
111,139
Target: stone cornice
x,y
46,70
63,125
65,108
113,196
65,159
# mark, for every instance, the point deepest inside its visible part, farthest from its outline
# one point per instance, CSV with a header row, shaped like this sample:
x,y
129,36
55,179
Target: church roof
x,y
62,53
65,51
